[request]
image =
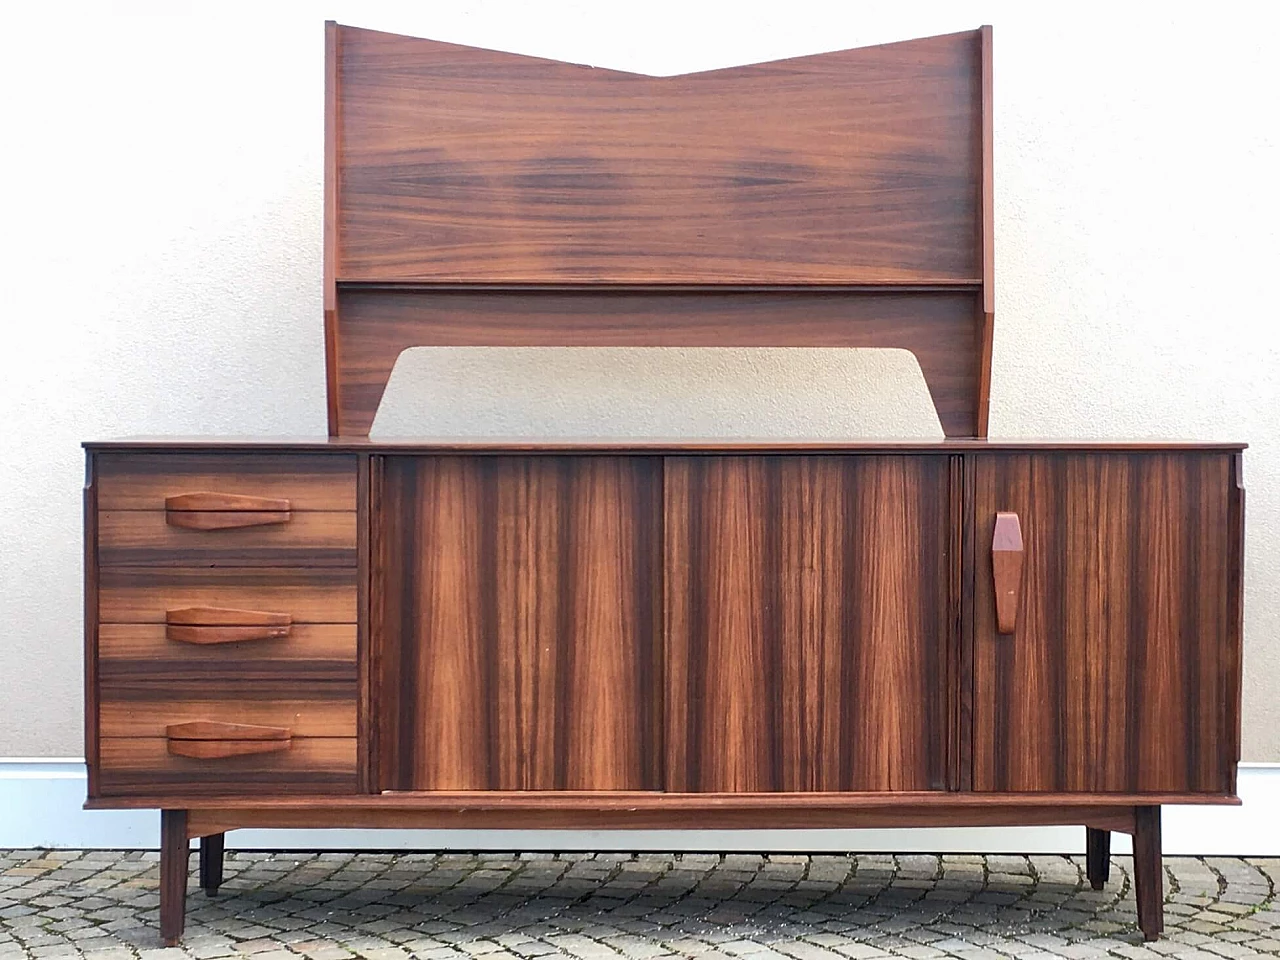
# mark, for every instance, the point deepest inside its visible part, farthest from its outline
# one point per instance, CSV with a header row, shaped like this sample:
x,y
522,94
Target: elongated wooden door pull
x,y
1006,570
225,625
224,511
216,739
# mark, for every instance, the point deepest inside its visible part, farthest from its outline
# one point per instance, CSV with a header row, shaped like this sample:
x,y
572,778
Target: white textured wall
x,y
160,260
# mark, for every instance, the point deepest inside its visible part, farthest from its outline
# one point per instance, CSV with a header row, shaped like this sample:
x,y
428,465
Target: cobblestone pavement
x,y
328,906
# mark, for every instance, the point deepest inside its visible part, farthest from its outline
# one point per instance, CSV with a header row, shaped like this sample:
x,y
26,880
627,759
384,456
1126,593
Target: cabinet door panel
x,y
1120,673
808,613
519,646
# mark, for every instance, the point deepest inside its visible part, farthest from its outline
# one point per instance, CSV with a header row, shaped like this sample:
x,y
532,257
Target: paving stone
x,y
621,906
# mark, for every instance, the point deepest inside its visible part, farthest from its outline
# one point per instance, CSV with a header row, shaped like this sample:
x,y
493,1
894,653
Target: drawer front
x,y
131,652
149,537
145,767
148,710
143,481
150,594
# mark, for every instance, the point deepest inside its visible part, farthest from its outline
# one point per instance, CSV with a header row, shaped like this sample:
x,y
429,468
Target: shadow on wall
x,y
656,392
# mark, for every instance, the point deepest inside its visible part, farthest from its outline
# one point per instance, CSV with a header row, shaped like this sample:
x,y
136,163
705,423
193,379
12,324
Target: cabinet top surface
x,y
637,445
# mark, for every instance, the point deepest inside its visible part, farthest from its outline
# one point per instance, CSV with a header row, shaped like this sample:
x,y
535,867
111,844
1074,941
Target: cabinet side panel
x,y
1111,680
91,623
807,619
519,619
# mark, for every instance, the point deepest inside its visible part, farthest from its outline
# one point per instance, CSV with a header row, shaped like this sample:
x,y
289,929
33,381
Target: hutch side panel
x,y
1122,671
519,615
808,620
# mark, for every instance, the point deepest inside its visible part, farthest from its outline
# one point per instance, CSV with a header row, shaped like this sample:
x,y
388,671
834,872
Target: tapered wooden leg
x,y
1148,871
211,848
173,875
1097,856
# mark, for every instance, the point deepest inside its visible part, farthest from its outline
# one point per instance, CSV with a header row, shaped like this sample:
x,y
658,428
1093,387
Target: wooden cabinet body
x,y
431,626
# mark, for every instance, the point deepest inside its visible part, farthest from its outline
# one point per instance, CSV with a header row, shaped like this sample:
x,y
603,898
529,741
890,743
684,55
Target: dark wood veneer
x,y
939,327
807,614
175,854
145,481
143,767
148,538
473,165
1113,679
533,584
147,594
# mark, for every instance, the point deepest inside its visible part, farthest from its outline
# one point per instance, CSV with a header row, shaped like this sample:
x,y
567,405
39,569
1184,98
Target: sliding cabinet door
x,y
518,639
810,617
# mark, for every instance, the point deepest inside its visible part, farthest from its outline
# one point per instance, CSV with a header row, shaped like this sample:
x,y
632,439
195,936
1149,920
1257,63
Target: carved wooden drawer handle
x,y
224,511
224,625
1006,570
215,739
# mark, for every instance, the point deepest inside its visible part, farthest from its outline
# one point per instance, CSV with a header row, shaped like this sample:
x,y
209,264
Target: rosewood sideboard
x,y
347,632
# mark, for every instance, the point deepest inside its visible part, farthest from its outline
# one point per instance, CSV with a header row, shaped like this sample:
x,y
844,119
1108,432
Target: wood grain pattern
x,y
463,164
143,481
224,519
332,176
369,580
223,634
1233,655
449,811
650,446
174,857
519,618
145,537
143,768
1115,678
142,651
215,625
307,595
963,695
1148,870
224,749
206,501
222,730
807,617
938,327
988,233
91,626
1112,810
959,763
1006,570
150,709
226,617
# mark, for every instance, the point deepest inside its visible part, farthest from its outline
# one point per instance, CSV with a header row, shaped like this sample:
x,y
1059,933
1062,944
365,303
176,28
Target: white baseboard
x,y
41,806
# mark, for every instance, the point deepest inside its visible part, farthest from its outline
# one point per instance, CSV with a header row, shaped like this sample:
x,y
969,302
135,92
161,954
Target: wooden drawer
x,y
150,594
129,652
149,537
143,481
301,710
146,768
